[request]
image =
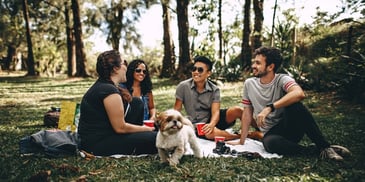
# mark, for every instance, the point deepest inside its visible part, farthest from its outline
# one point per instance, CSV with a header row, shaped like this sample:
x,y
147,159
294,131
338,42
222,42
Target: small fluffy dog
x,y
175,132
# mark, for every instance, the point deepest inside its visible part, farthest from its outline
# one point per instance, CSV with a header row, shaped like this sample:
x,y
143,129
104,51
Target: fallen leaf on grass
x,y
95,172
40,176
81,178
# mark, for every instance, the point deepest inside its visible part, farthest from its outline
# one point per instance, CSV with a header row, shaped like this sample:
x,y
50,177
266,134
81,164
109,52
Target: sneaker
x,y
310,150
329,153
344,152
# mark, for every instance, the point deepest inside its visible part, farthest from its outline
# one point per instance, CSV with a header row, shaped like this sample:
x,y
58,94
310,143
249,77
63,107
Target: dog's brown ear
x,y
158,114
158,119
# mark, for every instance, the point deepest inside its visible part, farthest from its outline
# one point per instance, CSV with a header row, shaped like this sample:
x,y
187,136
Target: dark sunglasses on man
x,y
200,69
140,70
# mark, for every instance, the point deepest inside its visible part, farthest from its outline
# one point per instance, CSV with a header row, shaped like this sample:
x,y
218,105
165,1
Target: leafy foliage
x,y
23,101
338,64
231,72
327,55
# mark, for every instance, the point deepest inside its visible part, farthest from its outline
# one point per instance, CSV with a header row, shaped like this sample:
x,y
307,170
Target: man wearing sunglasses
x,y
201,100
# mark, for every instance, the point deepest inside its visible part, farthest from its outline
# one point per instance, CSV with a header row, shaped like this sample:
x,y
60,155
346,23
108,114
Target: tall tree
x,y
120,18
183,27
273,24
80,52
114,18
70,42
12,31
258,7
220,30
30,58
245,48
205,13
50,42
169,58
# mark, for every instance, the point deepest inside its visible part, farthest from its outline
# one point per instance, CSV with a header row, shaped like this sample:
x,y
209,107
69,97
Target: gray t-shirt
x,y
197,105
258,95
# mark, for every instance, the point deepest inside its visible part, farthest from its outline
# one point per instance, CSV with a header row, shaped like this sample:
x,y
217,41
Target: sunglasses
x,y
200,69
140,70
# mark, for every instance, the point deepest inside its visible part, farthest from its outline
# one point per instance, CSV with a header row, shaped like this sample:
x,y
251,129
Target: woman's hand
x,y
147,128
153,118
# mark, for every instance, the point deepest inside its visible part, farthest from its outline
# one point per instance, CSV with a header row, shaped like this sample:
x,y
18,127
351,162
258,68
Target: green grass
x,y
23,101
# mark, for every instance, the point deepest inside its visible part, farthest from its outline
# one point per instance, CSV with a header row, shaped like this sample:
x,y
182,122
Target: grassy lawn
x,y
23,101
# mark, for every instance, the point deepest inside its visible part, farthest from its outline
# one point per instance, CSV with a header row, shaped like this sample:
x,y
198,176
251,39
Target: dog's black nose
x,y
175,122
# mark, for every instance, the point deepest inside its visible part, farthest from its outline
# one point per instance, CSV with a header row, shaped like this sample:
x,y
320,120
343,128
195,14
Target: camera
x,y
221,148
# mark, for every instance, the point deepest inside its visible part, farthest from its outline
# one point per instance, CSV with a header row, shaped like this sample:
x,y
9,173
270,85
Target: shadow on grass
x,y
22,79
35,126
58,99
21,114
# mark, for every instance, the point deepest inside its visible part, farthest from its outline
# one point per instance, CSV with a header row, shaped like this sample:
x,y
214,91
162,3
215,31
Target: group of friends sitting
x,y
114,107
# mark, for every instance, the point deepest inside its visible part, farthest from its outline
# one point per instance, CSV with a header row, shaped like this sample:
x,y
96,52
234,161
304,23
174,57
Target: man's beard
x,y
261,74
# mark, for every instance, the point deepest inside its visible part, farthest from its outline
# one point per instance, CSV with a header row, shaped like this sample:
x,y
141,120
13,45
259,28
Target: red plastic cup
x,y
199,128
219,138
149,123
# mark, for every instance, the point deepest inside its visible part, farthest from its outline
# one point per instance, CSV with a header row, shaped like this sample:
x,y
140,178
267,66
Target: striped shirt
x,y
258,95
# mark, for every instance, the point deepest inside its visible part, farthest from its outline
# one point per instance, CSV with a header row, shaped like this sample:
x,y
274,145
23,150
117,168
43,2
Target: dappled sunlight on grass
x,y
49,92
23,102
164,93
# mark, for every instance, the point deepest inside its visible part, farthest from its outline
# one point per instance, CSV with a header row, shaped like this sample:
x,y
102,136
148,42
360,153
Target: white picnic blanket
x,y
250,145
207,147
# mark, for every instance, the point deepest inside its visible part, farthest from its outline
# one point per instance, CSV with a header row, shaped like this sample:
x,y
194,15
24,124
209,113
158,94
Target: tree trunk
x,y
9,57
293,46
246,49
220,31
349,41
168,62
71,57
183,26
273,24
258,6
80,52
116,25
30,58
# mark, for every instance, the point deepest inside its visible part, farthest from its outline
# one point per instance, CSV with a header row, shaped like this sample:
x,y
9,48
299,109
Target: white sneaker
x,y
344,152
329,153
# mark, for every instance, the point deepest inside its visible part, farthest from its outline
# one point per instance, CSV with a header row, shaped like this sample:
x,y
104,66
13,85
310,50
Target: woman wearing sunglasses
x,y
201,100
139,85
103,128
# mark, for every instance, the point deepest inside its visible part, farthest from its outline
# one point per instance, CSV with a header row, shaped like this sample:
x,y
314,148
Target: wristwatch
x,y
271,105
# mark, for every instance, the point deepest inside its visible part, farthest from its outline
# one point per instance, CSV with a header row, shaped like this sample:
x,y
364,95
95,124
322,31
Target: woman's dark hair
x,y
105,63
146,84
272,54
